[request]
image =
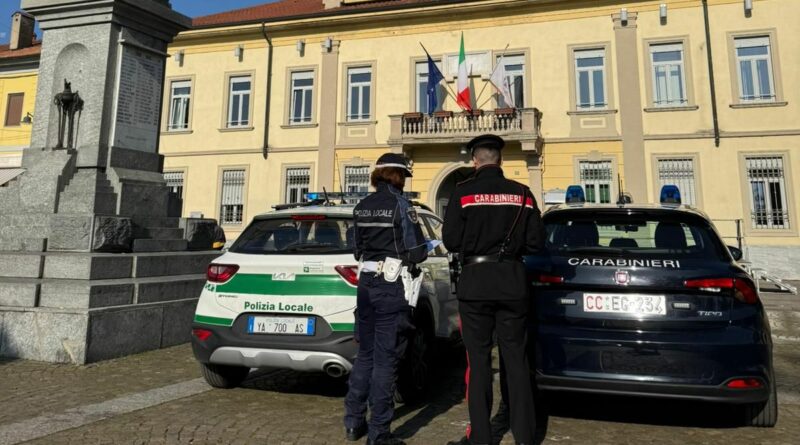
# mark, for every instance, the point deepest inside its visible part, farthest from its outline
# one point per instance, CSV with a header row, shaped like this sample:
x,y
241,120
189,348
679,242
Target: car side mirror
x,y
736,253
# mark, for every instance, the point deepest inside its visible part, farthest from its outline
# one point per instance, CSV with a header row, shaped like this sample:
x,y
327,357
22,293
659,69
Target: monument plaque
x,y
138,100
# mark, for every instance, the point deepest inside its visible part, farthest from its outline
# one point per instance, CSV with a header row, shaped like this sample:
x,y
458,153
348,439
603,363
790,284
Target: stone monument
x,y
95,262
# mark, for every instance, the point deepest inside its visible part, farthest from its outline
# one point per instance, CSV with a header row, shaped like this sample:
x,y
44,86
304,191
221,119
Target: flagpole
x,y
450,90
490,76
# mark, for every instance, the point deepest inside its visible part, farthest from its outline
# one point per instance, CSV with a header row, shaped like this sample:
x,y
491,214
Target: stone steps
x,y
78,202
159,245
159,232
89,294
157,221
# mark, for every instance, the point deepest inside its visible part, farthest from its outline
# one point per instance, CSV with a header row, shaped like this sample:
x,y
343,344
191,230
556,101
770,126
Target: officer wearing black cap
x,y
491,222
387,236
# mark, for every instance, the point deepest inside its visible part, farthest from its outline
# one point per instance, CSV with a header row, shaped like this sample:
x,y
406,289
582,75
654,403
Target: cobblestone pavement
x,y
283,407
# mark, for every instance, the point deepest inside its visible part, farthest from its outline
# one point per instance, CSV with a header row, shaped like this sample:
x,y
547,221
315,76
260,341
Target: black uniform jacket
x,y
479,216
386,225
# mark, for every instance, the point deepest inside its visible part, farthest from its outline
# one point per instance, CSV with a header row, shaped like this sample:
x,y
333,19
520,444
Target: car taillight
x,y
349,273
220,273
743,289
744,384
549,279
201,334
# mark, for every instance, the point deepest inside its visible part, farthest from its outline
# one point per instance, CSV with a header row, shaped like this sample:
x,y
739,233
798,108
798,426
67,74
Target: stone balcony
x,y
443,127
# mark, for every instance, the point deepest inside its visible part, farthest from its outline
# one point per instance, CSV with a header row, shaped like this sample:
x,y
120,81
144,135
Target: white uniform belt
x,y
372,266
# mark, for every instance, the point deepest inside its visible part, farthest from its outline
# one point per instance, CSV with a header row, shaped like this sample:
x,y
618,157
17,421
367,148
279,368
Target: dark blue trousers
x,y
383,320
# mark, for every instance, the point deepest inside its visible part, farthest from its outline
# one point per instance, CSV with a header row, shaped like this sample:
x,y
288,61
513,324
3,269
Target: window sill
x,y
309,125
357,123
669,109
760,105
591,112
767,233
169,132
232,129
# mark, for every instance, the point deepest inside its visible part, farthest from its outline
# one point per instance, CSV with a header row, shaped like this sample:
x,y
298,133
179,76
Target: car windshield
x,y
645,235
297,235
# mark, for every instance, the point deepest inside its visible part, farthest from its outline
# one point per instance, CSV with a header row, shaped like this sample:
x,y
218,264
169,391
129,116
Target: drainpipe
x,y
711,75
265,149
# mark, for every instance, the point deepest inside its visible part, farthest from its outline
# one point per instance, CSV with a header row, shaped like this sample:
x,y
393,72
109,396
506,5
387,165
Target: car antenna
x,y
325,193
623,198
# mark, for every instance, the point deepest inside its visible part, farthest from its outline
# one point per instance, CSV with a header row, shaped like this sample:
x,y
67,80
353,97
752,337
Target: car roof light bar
x,y
575,195
670,194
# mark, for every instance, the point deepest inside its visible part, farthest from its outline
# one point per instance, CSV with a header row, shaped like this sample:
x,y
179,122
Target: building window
x,y
232,206
595,178
239,102
356,179
180,96
754,63
302,95
678,172
768,205
668,75
174,181
590,78
515,76
297,183
359,94
421,94
14,109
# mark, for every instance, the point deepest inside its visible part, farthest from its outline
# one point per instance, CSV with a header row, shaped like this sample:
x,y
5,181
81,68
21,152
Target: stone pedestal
x,y
95,261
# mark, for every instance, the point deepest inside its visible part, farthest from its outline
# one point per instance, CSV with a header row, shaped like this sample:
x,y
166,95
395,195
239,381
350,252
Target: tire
x,y
414,370
764,414
223,376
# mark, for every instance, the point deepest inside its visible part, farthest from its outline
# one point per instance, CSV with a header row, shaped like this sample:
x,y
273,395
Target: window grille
x,y
232,206
768,205
679,172
356,179
175,182
596,180
297,183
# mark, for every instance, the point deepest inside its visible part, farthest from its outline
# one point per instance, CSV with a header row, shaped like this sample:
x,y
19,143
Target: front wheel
x,y
223,376
763,414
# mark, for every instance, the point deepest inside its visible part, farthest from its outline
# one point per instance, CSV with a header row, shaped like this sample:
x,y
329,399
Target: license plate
x,y
635,304
281,325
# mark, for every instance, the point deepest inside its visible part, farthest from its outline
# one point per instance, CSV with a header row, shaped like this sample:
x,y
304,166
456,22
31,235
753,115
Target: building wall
x,y
13,139
631,134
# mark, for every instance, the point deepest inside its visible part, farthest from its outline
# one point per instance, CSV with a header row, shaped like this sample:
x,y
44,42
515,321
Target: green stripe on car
x,y
263,284
342,326
216,321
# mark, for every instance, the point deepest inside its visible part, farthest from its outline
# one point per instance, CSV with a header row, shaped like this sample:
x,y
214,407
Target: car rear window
x,y
628,235
297,235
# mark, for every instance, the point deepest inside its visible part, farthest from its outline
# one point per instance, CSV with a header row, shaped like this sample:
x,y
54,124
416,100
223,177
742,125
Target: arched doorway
x,y
447,185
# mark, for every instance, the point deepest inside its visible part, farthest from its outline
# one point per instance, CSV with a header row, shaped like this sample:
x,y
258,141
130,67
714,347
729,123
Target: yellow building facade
x,y
19,71
606,93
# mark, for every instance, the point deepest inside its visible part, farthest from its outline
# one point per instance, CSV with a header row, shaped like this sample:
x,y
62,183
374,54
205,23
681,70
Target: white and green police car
x,y
284,296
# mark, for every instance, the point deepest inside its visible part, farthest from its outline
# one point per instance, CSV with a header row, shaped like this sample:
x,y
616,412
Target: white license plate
x,y
635,304
281,325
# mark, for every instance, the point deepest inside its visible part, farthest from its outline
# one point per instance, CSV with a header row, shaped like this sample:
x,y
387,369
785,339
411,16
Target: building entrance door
x,y
447,187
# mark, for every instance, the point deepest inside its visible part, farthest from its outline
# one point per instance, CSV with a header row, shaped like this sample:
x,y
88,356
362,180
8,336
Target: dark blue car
x,y
647,300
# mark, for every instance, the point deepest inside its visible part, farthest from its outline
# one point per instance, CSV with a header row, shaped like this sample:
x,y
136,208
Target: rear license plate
x,y
281,325
635,304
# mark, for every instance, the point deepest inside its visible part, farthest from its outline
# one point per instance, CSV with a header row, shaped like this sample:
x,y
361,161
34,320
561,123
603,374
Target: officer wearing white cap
x,y
387,237
491,222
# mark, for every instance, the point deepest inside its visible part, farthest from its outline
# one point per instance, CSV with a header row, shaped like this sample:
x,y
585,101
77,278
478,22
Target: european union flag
x,y
434,77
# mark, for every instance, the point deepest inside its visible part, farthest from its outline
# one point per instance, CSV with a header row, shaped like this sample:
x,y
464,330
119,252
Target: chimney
x,y
22,27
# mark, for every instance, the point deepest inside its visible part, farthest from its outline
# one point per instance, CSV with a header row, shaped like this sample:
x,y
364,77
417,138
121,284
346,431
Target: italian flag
x,y
463,98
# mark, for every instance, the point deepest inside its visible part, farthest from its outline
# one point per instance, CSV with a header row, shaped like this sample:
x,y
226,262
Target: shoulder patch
x,y
412,215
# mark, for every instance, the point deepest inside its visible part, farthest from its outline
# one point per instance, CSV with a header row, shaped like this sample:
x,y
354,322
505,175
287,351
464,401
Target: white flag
x,y
500,81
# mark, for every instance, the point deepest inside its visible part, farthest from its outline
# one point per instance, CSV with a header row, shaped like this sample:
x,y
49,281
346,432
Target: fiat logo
x,y
622,277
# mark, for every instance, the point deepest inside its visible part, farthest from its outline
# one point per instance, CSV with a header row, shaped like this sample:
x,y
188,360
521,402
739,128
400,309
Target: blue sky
x,y
191,8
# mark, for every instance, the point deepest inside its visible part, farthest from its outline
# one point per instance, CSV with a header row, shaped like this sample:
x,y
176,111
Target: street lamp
x,y
28,119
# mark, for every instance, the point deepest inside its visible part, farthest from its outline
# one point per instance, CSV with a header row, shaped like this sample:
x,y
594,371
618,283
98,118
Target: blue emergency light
x,y
670,194
575,195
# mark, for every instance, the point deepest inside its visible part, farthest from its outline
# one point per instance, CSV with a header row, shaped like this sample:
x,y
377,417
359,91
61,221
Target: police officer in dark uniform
x,y
491,222
386,230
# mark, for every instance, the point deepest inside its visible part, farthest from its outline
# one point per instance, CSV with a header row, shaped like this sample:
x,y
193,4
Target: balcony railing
x,y
447,127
